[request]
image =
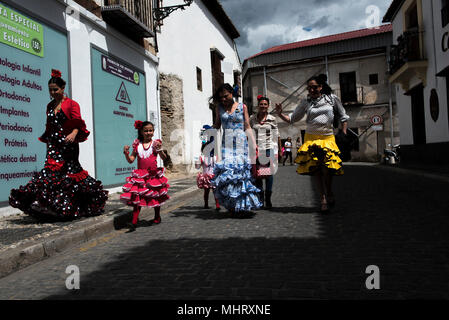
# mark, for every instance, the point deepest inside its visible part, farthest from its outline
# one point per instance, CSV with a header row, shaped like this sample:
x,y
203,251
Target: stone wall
x,y
172,118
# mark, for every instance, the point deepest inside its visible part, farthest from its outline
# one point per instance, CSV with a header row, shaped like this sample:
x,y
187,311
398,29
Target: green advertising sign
x,y
21,32
119,100
23,99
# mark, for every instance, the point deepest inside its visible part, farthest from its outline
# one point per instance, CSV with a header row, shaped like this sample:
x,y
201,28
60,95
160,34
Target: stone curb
x,y
18,258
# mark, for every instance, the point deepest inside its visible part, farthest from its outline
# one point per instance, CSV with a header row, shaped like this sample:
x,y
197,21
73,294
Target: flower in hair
x,y
138,124
55,73
259,97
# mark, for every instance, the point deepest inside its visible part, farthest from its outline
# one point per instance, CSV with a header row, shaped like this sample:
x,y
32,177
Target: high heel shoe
x,y
324,207
331,200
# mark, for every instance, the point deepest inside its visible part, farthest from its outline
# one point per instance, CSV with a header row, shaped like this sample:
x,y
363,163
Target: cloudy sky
x,y
263,24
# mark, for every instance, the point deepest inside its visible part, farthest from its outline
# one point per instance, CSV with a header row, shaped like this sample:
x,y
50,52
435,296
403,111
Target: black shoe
x,y
132,227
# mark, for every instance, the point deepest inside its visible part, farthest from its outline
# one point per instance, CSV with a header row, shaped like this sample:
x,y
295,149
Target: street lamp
x,y
160,13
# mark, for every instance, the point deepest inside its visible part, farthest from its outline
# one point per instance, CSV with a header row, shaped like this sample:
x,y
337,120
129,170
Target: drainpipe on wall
x,y
387,56
264,81
327,69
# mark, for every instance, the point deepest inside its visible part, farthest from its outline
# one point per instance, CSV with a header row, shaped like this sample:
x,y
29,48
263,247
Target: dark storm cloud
x,y
265,23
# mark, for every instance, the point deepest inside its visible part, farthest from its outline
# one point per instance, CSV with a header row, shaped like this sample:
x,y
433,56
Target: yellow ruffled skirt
x,y
318,150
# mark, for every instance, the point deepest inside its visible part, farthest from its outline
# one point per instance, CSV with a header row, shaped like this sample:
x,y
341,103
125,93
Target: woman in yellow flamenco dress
x,y
319,154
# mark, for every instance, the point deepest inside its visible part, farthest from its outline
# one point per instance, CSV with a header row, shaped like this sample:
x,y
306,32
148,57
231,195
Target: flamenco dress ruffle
x,y
319,150
146,188
62,188
203,180
54,192
233,184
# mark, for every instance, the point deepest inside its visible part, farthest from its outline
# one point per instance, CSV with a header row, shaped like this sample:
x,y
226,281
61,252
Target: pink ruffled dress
x,y
203,178
147,186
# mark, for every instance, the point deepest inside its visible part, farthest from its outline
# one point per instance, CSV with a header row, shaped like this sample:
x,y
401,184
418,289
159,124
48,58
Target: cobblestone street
x,y
395,221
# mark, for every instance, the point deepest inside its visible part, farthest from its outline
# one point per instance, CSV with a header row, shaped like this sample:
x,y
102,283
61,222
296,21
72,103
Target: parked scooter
x,y
391,155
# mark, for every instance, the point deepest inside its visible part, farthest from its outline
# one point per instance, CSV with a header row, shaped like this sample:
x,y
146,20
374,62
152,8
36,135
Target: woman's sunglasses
x,y
313,87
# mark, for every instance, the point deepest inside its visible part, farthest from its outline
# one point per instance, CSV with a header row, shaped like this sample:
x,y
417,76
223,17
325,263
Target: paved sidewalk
x,y
25,240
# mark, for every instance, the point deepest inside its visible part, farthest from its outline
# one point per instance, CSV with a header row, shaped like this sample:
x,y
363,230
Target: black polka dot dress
x,y
62,188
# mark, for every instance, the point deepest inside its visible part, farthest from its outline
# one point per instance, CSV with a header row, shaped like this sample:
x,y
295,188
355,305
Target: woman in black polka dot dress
x,y
62,188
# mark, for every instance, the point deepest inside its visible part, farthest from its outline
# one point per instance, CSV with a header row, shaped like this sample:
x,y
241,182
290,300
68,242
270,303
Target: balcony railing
x,y
141,9
353,98
408,49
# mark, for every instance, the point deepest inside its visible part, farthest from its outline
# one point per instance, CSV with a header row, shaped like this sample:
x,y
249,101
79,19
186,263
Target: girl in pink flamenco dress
x,y
147,186
206,164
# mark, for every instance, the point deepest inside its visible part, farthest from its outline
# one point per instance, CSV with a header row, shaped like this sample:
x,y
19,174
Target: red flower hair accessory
x,y
55,73
259,97
138,124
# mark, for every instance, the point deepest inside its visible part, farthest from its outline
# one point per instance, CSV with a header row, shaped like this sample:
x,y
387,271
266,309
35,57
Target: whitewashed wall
x,y
435,131
184,44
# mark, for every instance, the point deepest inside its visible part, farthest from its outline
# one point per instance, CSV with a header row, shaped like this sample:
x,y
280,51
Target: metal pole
x,y
387,56
327,69
391,115
264,81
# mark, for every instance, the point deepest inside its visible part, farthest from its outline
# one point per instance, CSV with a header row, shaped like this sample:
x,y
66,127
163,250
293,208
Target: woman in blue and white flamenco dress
x,y
233,181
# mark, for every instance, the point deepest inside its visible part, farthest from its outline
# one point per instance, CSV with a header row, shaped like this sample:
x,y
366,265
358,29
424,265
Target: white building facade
x,y
196,46
419,68
113,78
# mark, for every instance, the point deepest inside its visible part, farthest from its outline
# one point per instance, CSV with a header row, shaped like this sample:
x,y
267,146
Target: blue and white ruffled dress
x,y
234,184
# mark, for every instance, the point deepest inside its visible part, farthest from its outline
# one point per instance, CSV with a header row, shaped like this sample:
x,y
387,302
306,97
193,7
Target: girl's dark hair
x,y
263,98
144,124
216,97
321,79
58,81
206,144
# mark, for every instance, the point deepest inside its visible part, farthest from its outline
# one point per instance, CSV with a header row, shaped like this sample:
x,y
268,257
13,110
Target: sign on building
x,y
119,96
29,50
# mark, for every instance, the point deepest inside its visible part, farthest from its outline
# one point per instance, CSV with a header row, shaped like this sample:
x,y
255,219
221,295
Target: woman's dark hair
x,y
216,97
144,124
321,79
57,80
260,98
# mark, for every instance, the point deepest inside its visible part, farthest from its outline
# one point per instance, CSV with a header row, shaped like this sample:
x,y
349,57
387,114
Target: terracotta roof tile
x,y
327,39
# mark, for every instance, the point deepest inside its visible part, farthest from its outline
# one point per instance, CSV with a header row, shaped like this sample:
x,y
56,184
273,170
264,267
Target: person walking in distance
x,y
288,151
147,186
319,154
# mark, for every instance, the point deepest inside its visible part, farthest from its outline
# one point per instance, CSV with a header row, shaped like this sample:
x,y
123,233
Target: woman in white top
x,y
288,151
319,154
268,145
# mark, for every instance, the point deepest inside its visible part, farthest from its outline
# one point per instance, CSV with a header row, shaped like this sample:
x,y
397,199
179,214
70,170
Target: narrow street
x,y
394,221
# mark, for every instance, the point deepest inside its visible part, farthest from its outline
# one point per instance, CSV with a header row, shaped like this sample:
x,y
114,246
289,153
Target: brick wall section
x,y
90,5
172,112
